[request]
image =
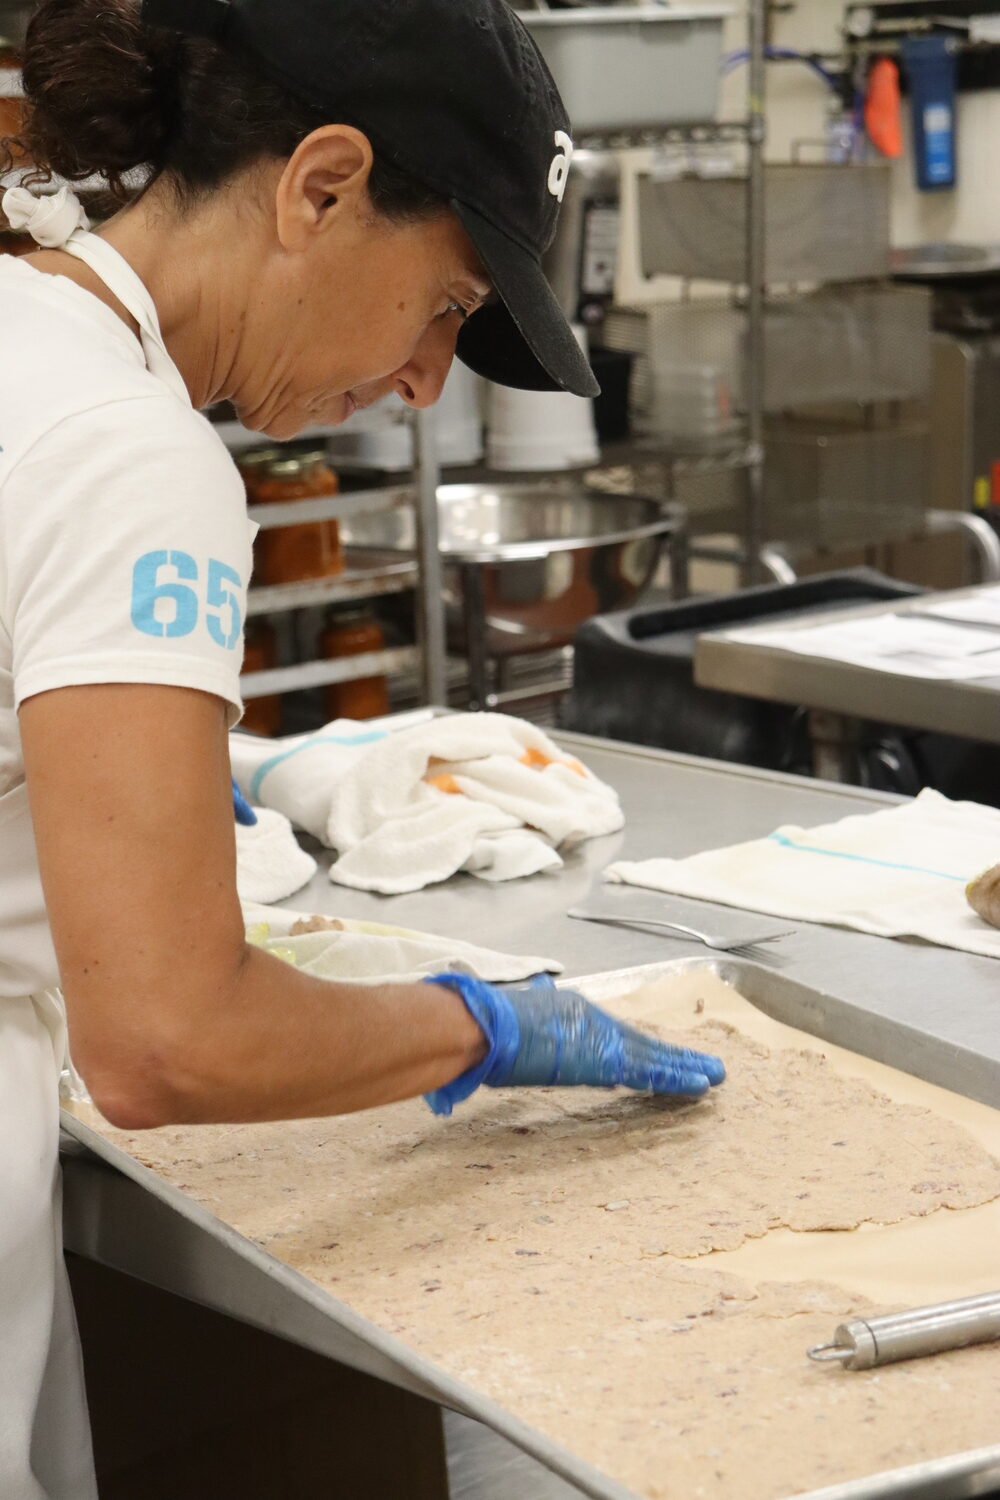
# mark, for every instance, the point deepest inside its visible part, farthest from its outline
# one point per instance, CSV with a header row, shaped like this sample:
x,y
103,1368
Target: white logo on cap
x,y
559,170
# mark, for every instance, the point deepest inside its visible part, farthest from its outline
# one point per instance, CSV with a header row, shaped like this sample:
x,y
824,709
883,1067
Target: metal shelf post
x,y
753,513
430,587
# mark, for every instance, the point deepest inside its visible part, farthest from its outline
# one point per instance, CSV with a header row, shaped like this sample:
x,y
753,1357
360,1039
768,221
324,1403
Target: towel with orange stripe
x,y
487,794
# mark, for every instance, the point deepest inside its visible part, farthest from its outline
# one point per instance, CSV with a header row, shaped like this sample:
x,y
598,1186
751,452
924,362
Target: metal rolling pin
x,y
864,1343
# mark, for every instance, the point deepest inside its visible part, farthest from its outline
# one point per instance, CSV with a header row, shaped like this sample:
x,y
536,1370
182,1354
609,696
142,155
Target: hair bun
x,y
99,89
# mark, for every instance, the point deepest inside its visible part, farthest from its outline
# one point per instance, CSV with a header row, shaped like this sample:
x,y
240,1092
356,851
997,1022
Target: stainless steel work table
x,y
840,693
674,805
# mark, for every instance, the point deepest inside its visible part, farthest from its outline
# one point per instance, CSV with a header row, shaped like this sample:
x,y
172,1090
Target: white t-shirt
x,y
125,549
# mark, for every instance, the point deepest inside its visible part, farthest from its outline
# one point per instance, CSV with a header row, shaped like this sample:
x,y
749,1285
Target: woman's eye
x,y
455,307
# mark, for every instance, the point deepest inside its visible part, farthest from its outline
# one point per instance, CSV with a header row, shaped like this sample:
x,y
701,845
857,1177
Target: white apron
x,y
45,1451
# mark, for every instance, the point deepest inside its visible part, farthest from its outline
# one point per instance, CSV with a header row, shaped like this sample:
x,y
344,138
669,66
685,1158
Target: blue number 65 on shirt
x,y
167,599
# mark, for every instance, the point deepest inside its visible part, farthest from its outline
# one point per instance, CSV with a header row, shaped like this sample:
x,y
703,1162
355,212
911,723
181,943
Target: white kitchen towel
x,y
294,775
270,864
486,793
901,872
377,954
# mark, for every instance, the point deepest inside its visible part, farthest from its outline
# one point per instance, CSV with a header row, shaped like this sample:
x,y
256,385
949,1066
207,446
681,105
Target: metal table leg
x,y
834,739
476,647
679,559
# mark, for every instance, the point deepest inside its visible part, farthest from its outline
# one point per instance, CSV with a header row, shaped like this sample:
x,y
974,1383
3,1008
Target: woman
x,y
332,194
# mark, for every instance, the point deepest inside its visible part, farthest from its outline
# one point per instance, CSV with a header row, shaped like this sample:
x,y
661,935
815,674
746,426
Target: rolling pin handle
x,y
828,1353
864,1343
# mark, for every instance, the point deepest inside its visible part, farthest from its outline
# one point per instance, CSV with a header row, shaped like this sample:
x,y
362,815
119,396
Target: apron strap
x,y
57,222
120,279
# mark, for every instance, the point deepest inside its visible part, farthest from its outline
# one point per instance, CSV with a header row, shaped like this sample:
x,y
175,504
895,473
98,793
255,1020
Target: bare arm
x,y
173,1016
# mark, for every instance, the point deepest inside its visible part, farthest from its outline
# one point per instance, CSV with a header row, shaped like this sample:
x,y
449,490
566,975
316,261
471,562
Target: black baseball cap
x,y
456,94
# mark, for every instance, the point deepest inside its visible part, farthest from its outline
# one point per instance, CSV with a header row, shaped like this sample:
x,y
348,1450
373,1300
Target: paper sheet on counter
x,y
909,644
980,608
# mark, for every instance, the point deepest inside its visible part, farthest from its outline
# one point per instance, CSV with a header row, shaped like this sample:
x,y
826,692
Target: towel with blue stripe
x,y
899,872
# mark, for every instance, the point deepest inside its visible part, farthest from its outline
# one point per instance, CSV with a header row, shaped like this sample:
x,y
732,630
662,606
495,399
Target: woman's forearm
x,y
280,1044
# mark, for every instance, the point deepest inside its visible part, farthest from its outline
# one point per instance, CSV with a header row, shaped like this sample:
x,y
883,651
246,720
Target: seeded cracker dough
x,y
532,1246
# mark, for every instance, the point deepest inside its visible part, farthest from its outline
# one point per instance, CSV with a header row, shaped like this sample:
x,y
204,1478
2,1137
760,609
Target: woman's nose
x,y
421,380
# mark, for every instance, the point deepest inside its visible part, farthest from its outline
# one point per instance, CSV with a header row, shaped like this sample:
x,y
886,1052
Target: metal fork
x,y
720,944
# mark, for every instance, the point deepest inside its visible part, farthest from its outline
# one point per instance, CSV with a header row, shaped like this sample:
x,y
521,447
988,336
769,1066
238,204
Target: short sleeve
x,y
126,553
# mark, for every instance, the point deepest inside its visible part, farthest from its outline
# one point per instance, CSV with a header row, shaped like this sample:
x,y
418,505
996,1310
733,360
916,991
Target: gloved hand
x,y
538,1034
242,810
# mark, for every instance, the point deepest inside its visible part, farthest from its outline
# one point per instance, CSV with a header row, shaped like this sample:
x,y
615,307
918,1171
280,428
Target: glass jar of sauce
x,y
352,630
260,653
250,462
11,125
11,92
312,549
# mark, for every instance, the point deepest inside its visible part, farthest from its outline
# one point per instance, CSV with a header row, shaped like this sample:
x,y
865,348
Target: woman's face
x,y
351,306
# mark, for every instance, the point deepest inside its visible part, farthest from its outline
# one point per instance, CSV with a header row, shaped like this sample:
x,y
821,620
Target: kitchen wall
x,y
796,105
795,108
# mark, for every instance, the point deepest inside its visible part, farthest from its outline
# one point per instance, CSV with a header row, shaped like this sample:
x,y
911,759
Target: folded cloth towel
x,y
270,865
897,873
486,793
375,953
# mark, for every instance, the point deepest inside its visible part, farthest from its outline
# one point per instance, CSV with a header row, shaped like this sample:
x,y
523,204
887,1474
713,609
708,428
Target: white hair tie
x,y
50,220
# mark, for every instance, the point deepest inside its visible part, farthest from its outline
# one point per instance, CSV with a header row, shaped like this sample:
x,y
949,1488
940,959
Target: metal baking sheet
x,y
179,1246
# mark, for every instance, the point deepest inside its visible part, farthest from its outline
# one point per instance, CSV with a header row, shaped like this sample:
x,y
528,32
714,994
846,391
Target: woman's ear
x,y
324,181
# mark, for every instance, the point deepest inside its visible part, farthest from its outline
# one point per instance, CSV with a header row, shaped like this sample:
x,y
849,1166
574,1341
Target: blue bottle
x,y
931,64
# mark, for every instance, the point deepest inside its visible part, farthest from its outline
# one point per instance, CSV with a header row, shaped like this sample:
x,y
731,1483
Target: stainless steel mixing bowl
x,y
546,556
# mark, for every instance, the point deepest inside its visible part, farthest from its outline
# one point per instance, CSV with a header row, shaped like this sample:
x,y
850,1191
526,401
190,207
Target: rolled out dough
x,y
532,1245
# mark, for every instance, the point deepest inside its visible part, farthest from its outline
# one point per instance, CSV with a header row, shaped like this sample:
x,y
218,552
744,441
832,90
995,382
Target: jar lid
x,y
252,458
347,614
291,466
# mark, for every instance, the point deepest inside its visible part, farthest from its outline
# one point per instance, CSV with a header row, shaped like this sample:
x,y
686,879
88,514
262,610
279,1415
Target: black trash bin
x,y
633,672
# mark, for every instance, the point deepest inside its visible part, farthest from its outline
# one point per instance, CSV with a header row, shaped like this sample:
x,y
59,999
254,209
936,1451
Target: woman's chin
x,y
281,427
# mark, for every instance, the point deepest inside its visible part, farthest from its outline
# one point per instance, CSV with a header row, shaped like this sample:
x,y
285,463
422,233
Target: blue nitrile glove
x,y
539,1035
242,809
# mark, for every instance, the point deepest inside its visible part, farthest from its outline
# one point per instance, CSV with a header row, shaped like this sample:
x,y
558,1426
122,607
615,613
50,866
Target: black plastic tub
x,y
633,673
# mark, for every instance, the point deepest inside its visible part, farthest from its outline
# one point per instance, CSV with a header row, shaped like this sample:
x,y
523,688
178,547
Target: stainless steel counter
x,y
761,670
674,806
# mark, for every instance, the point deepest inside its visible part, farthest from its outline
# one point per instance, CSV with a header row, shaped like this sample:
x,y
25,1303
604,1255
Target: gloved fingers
x,y
713,1068
663,1077
680,1082
643,1047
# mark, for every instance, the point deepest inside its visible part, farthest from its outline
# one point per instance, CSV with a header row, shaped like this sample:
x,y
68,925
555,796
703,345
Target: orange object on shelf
x,y
11,125
882,107
351,630
292,554
11,98
260,653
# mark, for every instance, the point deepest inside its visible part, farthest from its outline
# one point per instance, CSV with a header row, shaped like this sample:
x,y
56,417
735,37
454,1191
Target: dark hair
x,y
108,97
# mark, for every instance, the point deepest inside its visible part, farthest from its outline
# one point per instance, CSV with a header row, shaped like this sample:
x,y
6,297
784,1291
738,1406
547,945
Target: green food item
x,y
259,934
983,895
287,955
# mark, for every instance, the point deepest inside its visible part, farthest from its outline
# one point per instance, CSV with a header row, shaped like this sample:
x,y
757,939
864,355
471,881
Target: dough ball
x,y
983,895
315,924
